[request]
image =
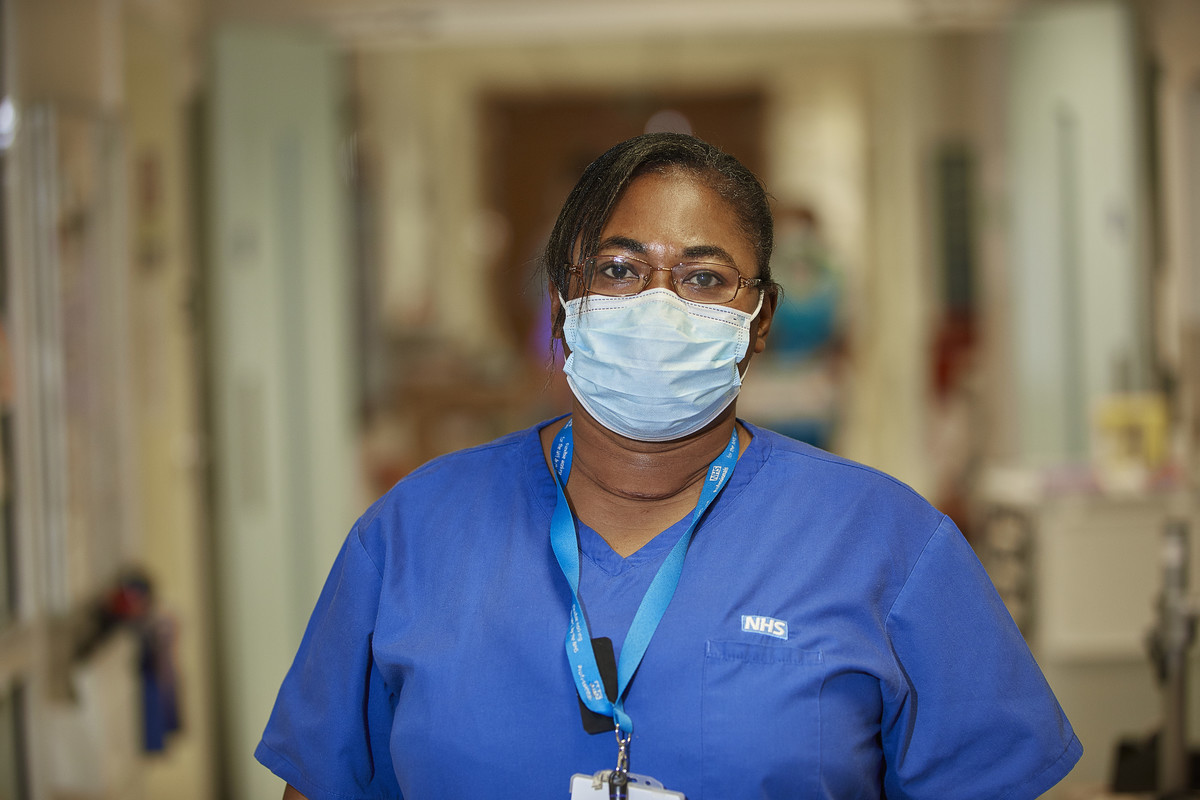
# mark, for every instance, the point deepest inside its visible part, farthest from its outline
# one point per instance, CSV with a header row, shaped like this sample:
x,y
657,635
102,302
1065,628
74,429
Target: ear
x,y
557,316
762,323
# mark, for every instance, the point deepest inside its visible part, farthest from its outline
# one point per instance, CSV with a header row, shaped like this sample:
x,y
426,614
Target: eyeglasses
x,y
700,282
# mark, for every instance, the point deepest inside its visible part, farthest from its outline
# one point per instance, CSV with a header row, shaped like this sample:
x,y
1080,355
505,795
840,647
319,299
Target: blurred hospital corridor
x,y
260,259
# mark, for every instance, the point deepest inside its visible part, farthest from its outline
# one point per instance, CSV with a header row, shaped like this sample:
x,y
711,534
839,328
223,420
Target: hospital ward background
x,y
259,259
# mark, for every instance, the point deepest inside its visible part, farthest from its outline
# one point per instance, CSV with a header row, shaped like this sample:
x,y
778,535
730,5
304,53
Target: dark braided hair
x,y
591,202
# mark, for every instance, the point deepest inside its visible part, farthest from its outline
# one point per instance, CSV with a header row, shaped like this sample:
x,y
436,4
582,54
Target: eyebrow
x,y
623,243
695,251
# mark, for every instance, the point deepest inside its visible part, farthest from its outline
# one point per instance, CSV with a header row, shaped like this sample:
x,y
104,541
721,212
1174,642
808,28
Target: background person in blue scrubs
x,y
784,623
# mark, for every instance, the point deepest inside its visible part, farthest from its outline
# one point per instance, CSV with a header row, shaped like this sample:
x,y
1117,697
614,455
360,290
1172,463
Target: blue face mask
x,y
653,366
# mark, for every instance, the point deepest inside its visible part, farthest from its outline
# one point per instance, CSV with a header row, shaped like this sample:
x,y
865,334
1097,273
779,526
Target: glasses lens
x,y
614,276
706,283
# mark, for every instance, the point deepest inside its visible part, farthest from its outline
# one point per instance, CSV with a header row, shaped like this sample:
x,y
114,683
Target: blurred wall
x,y
1081,313
1171,33
114,80
280,382
160,73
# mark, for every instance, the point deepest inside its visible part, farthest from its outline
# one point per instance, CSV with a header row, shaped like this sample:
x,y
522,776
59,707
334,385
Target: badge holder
x,y
620,783
638,787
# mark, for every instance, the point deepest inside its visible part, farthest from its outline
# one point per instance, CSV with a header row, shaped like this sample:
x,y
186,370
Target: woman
x,y
766,620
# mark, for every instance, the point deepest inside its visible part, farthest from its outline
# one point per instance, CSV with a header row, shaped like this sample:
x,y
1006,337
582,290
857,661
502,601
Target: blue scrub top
x,y
832,636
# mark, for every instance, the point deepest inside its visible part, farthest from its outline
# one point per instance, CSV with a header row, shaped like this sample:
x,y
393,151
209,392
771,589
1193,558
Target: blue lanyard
x,y
654,603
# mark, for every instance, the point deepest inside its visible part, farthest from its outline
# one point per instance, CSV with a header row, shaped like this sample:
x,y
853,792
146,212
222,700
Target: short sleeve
x,y
973,716
328,733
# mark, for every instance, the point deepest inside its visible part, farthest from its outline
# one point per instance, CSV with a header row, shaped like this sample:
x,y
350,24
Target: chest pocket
x,y
760,720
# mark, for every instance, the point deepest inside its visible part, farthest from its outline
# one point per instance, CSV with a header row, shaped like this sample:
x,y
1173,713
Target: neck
x,y
630,470
630,491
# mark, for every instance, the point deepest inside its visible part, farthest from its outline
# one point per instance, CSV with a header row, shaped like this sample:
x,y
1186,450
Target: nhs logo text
x,y
765,625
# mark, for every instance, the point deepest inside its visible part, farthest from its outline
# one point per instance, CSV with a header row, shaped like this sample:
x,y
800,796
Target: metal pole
x,y
1177,628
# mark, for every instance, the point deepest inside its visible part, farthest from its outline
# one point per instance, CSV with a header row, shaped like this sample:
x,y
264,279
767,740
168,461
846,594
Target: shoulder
x,y
786,462
836,515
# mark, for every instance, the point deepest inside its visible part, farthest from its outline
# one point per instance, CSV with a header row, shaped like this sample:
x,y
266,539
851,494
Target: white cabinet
x,y
1082,575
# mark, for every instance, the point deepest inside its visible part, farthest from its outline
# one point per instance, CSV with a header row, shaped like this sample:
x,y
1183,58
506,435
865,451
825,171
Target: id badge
x,y
639,787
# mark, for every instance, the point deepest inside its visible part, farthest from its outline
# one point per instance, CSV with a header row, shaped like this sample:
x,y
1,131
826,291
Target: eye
x,y
704,276
616,270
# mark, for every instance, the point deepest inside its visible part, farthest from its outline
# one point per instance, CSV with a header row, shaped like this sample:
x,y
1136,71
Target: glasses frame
x,y
742,281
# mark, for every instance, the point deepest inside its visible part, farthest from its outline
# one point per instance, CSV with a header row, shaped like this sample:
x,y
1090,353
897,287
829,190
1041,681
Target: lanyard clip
x,y
618,781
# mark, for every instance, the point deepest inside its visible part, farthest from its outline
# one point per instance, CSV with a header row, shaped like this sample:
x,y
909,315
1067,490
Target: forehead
x,y
677,215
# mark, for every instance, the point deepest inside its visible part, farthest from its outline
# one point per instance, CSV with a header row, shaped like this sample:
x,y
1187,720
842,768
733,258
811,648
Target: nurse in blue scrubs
x,y
648,596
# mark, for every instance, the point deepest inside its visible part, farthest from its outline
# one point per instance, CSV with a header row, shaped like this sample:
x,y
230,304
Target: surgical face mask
x,y
653,366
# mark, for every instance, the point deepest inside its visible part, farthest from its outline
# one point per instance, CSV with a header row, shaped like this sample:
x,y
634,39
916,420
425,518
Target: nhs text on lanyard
x,y
645,621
